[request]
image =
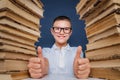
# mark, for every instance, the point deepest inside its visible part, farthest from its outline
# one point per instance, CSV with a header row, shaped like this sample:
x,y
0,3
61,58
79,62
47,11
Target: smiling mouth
x,y
61,37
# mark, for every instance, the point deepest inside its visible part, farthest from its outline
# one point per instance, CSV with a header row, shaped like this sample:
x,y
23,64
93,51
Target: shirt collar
x,y
67,47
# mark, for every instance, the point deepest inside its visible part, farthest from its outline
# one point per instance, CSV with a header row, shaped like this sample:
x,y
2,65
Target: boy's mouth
x,y
61,37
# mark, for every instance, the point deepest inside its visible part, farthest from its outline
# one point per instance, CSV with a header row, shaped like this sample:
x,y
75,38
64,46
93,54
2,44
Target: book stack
x,y
19,30
102,20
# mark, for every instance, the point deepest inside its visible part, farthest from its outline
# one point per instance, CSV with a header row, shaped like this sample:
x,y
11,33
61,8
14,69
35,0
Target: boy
x,y
61,58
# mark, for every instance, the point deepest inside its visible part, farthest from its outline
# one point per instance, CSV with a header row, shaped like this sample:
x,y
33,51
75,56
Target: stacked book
x,y
19,30
102,20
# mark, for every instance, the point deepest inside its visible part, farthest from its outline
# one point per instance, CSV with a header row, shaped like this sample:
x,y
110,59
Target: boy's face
x,y
61,31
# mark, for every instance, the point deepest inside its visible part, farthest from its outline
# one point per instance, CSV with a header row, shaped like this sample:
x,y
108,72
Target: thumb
x,y
39,51
77,57
79,49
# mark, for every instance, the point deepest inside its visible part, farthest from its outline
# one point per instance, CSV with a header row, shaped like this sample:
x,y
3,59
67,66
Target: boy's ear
x,y
51,30
71,33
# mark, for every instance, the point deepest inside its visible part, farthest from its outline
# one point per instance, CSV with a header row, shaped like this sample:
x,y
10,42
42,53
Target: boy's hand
x,y
38,66
81,66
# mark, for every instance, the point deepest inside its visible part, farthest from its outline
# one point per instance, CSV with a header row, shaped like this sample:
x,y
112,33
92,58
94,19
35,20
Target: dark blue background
x,y
54,8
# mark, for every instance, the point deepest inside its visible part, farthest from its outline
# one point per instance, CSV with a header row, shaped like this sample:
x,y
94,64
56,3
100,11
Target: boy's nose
x,y
62,31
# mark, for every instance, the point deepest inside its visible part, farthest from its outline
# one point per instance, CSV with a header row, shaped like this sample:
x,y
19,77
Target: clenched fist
x,y
81,66
38,66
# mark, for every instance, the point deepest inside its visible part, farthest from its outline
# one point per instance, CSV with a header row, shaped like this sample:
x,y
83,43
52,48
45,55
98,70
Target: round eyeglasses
x,y
66,30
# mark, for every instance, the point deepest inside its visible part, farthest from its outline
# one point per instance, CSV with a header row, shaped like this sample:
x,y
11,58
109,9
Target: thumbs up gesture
x,y
38,66
81,66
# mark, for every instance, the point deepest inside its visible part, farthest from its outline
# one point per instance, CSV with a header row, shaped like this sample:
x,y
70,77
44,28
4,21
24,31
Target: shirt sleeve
x,y
45,51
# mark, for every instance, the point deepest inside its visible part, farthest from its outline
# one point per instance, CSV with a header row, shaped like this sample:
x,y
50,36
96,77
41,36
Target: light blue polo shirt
x,y
60,60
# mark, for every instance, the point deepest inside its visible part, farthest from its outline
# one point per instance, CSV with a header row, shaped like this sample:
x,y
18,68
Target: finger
x,y
33,65
31,70
36,75
84,66
34,60
84,72
39,50
78,52
83,61
77,57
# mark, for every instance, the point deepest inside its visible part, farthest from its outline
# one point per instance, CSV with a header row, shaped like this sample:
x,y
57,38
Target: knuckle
x,y
35,59
87,60
31,59
89,65
36,65
28,65
36,75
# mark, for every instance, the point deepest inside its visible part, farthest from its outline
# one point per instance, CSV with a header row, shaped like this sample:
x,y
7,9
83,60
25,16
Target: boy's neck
x,y
61,45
